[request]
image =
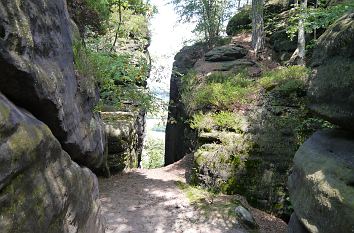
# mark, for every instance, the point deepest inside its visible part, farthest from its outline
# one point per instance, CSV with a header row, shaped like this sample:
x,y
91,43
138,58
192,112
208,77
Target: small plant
x,y
227,120
118,77
202,122
296,75
310,126
216,91
155,150
219,121
195,194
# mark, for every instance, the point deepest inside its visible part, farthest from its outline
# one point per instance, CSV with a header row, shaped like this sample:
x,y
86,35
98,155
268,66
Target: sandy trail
x,y
148,201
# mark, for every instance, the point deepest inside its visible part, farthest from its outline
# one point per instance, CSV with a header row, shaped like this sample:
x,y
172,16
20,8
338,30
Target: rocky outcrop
x,y
295,226
226,53
125,134
321,185
248,149
37,73
41,189
332,86
240,21
178,134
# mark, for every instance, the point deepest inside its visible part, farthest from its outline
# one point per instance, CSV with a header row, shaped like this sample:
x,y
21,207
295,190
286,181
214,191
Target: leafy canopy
x,y
209,15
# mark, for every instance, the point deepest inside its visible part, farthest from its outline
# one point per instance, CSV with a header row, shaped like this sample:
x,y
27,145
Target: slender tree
x,y
301,36
209,15
257,25
298,56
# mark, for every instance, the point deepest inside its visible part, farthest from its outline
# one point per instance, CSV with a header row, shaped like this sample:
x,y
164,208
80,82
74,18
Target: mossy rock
x,y
332,85
282,43
240,21
41,189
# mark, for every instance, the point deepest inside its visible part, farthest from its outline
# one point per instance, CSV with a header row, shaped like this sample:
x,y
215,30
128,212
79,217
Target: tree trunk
x,y
257,25
118,27
301,43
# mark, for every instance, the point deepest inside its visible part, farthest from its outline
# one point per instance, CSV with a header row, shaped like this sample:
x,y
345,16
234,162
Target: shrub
x,y
219,121
118,78
285,78
216,91
155,149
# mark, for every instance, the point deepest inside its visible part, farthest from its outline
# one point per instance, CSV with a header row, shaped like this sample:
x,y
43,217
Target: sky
x,y
168,36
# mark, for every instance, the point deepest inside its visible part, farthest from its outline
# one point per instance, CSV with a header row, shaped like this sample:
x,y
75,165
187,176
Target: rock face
x,y
41,189
226,53
322,182
295,226
36,63
253,156
125,134
178,132
321,185
281,43
332,86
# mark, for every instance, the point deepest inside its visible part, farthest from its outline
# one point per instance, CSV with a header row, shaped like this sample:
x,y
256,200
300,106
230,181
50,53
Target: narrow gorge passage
x,y
142,200
148,201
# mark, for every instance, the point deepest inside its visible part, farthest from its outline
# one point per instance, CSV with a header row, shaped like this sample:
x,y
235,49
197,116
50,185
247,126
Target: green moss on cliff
x,y
250,152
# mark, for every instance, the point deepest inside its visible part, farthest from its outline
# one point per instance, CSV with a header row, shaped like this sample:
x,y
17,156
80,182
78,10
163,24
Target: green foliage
x,y
219,121
138,7
100,6
208,15
118,78
216,91
155,149
220,92
316,18
135,26
195,193
286,78
310,126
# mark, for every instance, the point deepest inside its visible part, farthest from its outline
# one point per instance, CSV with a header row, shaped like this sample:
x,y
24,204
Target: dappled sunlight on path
x,y
149,201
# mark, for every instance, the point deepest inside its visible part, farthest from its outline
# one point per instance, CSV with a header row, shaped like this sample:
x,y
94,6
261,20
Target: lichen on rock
x,y
41,189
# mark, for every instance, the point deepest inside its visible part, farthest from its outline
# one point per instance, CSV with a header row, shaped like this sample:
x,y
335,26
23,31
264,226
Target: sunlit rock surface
x,y
321,184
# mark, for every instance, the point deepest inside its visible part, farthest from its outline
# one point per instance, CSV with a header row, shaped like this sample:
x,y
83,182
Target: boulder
x,y
226,53
321,185
246,217
37,73
241,20
331,89
41,189
281,42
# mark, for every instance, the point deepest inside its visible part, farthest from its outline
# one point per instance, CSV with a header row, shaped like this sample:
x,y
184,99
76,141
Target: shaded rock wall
x,y
331,88
41,189
179,137
46,121
125,135
36,61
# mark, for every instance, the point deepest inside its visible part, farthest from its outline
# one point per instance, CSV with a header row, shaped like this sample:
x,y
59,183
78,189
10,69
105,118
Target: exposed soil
x,y
150,201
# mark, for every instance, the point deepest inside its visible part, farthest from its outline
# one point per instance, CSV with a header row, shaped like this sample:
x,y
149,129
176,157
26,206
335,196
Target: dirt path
x,y
149,201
